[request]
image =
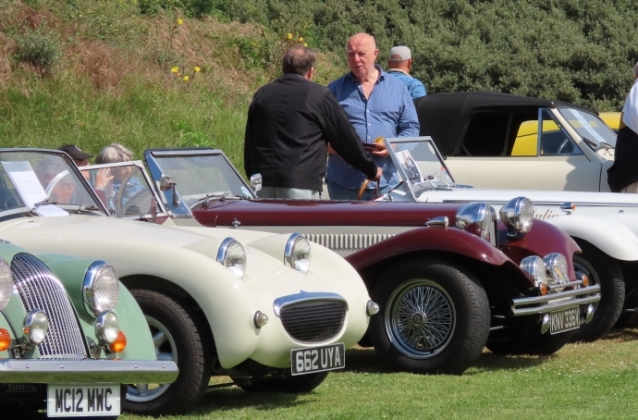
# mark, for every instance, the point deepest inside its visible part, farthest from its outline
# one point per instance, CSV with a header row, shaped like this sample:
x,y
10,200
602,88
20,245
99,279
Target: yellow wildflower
x,y
180,21
289,36
197,69
300,39
305,44
186,78
175,69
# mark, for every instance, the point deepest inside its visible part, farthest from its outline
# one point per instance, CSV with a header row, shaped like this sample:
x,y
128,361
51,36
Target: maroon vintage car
x,y
449,279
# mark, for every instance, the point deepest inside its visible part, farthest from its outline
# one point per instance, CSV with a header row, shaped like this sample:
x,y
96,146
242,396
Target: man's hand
x,y
378,175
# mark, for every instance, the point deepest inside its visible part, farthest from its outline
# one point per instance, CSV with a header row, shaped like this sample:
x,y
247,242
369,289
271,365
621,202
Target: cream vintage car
x,y
271,311
498,140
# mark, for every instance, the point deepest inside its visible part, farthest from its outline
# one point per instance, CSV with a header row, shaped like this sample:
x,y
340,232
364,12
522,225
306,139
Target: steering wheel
x,y
562,147
56,179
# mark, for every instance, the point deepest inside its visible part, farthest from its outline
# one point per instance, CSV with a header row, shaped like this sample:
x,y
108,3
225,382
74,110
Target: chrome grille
x,y
39,288
313,321
347,242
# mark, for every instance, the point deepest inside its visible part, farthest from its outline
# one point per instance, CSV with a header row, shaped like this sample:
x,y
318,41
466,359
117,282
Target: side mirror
x,y
255,182
167,182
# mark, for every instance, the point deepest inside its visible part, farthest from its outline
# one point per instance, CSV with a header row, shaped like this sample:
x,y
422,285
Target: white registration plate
x,y
74,400
565,320
318,359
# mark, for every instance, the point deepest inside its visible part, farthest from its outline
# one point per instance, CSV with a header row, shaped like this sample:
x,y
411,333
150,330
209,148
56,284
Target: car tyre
x,y
178,336
434,317
605,272
289,384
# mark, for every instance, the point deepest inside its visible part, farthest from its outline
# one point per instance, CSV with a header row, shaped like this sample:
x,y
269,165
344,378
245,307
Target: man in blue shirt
x,y
378,105
399,65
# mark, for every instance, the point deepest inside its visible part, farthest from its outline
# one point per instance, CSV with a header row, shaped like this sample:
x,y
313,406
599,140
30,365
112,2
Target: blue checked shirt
x,y
388,112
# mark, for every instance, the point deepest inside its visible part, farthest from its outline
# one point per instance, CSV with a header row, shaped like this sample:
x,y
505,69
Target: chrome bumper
x,y
555,301
39,371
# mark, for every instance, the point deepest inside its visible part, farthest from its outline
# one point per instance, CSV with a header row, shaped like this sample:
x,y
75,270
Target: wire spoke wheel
x,y
421,318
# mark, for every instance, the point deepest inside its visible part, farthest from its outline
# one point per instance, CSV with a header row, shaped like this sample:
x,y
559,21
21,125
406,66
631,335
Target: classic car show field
x,y
584,381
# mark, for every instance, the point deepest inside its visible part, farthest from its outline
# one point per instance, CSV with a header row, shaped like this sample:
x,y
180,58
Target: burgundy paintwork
x,y
541,240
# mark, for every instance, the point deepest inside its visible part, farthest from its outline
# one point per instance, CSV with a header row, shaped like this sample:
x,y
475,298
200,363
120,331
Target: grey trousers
x,y
293,193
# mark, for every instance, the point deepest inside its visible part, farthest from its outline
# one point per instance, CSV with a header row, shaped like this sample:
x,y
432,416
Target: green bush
x,y
39,48
191,8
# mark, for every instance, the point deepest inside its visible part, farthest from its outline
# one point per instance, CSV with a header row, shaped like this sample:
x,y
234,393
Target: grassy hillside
x,y
163,73
120,76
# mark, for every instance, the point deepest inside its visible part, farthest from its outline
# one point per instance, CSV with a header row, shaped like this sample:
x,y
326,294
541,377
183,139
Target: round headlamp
x,y
557,271
475,218
232,256
6,283
535,268
36,325
100,288
297,253
518,215
107,327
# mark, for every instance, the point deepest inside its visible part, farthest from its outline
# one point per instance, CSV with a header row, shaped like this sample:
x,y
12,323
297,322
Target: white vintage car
x,y
271,311
497,140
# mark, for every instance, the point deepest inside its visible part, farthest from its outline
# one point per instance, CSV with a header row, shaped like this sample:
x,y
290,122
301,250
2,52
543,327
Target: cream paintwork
x,y
187,260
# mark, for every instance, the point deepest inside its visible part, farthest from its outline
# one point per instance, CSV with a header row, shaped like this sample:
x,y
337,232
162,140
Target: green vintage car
x,y
71,337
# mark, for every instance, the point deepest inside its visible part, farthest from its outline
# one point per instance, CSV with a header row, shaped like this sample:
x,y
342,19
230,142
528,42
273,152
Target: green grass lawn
x,y
582,381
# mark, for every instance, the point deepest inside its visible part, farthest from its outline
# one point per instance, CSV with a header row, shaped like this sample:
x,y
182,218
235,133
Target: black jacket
x,y
290,122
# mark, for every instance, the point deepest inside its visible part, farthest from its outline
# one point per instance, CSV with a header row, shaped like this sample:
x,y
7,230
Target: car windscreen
x,y
589,126
42,181
200,175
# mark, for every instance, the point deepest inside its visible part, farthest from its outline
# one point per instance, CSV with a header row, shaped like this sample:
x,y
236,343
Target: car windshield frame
x,y
145,185
194,170
419,164
44,183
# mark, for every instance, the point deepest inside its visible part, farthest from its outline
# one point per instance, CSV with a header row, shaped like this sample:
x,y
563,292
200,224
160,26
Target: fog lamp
x,y
107,327
5,339
119,344
36,325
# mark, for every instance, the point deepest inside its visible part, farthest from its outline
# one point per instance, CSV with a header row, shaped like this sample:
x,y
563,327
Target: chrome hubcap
x,y
166,350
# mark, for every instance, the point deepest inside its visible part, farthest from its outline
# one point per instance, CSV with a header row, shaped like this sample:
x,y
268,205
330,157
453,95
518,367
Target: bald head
x,y
362,53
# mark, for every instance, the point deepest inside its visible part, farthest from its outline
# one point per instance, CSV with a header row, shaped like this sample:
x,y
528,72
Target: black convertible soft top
x,y
446,116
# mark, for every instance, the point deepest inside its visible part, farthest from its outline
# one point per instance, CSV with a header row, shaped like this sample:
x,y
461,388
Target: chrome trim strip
x,y
302,296
555,301
34,371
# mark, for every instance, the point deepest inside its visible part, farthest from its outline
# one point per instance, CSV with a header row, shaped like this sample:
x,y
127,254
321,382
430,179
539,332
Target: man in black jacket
x,y
290,123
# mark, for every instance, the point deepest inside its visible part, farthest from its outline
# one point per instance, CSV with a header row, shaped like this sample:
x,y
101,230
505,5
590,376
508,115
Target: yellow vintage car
x,y
612,119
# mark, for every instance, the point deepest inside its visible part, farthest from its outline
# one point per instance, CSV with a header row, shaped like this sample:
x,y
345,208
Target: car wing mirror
x,y
255,182
167,182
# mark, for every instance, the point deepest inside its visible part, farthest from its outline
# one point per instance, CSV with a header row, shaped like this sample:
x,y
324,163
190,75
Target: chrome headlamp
x,y
6,283
518,216
535,268
100,288
232,256
107,327
297,253
476,218
36,325
557,270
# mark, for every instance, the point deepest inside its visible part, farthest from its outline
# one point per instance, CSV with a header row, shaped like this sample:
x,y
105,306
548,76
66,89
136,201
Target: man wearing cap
x,y
80,157
377,105
400,64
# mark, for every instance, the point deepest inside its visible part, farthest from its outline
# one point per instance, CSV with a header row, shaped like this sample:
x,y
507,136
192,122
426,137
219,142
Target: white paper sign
x,y
29,188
